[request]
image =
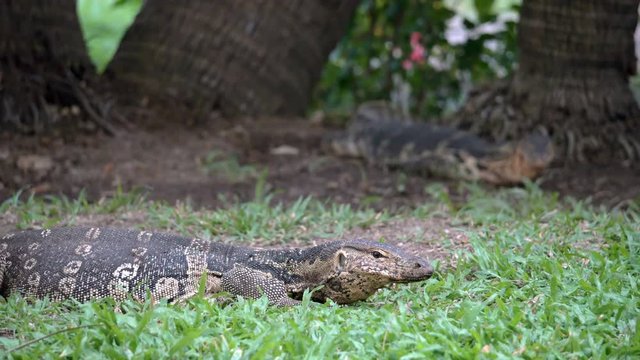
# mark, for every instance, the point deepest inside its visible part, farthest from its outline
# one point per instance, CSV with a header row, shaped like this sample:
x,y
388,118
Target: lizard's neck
x,y
298,268
306,268
320,252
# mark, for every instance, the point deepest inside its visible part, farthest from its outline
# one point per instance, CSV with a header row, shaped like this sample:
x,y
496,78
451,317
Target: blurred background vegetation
x,y
465,42
457,44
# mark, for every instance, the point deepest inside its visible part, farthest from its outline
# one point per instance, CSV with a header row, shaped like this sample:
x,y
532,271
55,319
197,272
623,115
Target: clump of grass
x,y
228,166
260,220
47,211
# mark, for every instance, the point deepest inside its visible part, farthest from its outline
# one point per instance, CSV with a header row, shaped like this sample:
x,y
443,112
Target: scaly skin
x,y
87,263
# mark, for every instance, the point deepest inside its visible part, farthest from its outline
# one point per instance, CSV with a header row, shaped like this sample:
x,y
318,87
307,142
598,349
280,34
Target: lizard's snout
x,y
419,269
425,267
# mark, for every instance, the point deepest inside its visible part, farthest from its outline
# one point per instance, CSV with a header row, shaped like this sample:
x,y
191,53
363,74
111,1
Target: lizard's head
x,y
536,150
362,267
527,159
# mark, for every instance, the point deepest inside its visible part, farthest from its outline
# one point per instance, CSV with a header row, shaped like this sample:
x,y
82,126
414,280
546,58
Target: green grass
x,y
228,166
546,279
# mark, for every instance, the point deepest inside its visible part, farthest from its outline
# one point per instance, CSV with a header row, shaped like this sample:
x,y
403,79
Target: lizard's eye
x,y
377,254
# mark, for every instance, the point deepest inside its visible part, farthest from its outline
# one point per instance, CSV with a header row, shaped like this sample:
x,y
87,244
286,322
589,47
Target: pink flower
x,y
418,52
415,38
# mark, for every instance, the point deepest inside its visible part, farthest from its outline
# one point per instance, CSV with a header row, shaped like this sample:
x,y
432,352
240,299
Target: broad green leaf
x,y
103,25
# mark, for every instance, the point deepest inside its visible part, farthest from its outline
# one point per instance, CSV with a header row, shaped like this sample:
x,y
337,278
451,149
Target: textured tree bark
x,y
41,47
575,60
238,57
242,57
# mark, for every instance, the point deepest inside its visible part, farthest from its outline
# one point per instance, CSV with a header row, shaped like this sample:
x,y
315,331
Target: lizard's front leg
x,y
252,284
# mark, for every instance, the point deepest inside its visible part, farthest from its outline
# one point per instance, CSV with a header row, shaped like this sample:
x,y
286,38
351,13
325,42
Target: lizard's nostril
x,y
417,265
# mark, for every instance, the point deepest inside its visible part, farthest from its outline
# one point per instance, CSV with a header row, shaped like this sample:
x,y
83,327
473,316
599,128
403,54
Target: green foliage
x,y
103,25
460,51
545,278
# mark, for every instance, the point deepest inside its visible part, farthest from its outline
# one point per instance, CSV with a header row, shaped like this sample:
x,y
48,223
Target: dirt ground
x,y
207,163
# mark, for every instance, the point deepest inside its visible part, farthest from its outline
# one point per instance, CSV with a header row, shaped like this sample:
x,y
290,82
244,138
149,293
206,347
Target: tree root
x,y
492,112
98,115
32,101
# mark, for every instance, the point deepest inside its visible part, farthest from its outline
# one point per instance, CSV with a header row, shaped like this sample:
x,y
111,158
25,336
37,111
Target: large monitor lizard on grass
x,y
86,263
385,137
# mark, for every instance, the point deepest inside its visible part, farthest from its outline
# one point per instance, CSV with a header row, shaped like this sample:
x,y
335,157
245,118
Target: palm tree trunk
x,y
40,46
575,60
241,57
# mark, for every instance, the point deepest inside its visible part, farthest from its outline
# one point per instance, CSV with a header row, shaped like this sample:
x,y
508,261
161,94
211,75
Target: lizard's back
x,y
85,263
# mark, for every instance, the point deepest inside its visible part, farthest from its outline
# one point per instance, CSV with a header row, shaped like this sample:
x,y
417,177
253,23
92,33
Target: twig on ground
x,y
31,342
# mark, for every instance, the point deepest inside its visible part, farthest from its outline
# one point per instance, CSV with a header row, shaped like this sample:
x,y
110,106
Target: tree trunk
x,y
41,48
575,60
239,57
242,57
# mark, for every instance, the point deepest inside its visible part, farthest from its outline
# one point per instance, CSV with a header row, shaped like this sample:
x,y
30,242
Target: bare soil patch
x,y
174,161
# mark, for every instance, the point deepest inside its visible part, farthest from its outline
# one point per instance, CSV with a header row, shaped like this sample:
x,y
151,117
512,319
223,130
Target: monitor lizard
x,y
383,136
88,263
